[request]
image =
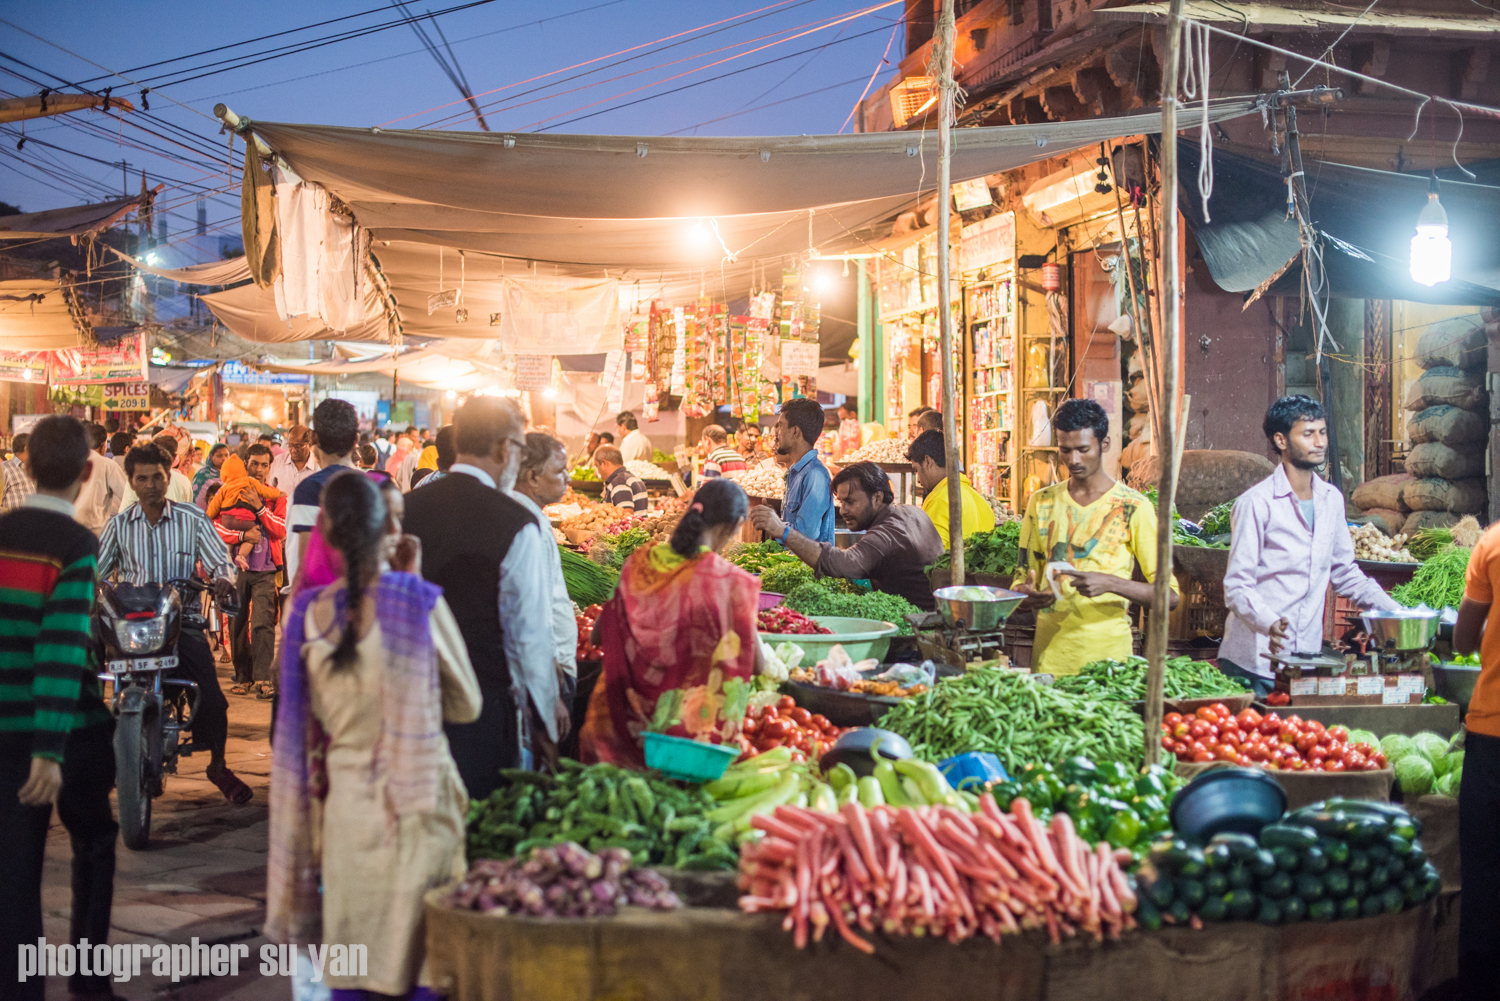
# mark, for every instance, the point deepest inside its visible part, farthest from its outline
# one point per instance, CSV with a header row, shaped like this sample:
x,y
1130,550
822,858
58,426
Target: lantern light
x,y
1431,251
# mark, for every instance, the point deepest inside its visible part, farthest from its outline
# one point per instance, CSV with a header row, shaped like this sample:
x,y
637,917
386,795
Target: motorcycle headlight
x,y
142,636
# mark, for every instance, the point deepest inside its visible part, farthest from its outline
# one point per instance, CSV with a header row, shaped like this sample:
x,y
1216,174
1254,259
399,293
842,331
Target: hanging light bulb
x,y
1431,252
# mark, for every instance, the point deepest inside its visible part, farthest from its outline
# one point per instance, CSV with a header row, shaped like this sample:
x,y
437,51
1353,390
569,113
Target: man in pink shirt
x,y
1290,539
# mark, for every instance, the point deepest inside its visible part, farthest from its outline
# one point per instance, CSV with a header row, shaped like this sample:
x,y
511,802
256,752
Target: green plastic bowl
x,y
689,760
861,638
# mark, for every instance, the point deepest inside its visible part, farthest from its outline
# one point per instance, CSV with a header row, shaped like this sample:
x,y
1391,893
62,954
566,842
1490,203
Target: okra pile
x,y
659,822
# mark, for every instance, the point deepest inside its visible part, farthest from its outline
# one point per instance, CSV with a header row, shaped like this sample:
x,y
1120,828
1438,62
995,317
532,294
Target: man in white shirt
x,y
179,487
296,464
104,492
542,480
634,445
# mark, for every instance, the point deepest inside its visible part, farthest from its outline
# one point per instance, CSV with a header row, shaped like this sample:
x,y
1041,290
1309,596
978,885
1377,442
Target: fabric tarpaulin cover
x,y
76,220
258,219
250,312
1366,217
34,316
230,272
571,316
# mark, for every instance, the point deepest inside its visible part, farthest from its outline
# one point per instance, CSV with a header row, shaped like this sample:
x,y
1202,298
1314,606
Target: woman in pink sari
x,y
678,637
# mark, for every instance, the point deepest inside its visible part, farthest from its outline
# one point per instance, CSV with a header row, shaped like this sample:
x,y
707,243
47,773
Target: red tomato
x,y
1254,752
1288,736
801,715
1294,718
1269,723
1180,748
1354,761
1371,766
786,702
1278,753
1334,765
768,745
774,729
1182,729
1340,733
1317,753
1300,766
1172,719
1166,743
1325,738
1314,726
1226,753
820,721
1204,713
1364,748
1379,760
1202,756
1220,708
1197,746
749,725
1248,719
1306,742
1214,730
1199,729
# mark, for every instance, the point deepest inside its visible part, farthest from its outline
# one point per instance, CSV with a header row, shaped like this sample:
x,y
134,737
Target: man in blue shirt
x,y
808,506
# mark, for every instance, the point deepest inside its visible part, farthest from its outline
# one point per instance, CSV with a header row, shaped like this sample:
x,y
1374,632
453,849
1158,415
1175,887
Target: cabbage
x,y
1415,774
1396,746
1431,746
1363,737
1447,785
1452,764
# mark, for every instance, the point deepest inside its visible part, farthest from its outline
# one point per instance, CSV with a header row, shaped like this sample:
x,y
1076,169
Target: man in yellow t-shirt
x,y
928,460
1101,529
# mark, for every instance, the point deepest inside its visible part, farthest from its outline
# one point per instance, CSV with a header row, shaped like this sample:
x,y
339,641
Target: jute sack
x,y
1458,342
1381,492
1452,426
1434,459
1388,520
1432,494
1452,386
1418,520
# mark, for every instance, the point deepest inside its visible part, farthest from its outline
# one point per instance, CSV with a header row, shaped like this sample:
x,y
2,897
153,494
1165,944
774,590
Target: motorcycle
x,y
137,627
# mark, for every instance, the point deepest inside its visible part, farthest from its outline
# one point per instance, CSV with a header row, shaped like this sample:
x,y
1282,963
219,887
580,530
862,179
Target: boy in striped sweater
x,y
47,574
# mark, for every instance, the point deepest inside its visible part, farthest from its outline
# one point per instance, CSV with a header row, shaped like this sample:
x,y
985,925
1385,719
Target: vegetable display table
x,y
705,953
1382,720
1307,787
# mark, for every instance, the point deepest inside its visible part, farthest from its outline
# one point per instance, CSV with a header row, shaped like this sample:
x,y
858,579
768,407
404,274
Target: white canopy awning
x,y
34,316
227,272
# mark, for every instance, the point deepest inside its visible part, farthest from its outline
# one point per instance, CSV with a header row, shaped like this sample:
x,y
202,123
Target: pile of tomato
x,y
586,648
787,724
1291,744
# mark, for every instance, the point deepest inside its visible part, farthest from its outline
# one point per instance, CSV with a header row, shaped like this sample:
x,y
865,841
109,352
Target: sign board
x,y
24,422
23,366
122,361
133,396
987,242
239,374
973,194
533,373
798,359
401,414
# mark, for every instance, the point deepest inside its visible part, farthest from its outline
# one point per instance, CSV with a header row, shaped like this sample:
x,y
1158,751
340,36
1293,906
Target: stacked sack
x,y
1448,426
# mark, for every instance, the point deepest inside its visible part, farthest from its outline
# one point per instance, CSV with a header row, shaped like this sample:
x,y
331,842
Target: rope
x,y
1196,77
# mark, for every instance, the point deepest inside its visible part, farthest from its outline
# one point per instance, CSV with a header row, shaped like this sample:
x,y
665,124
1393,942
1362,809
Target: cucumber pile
x,y
1338,859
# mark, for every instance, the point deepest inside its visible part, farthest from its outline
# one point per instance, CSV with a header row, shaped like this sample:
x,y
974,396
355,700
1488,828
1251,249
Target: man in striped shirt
x,y
47,567
721,458
18,482
152,542
622,488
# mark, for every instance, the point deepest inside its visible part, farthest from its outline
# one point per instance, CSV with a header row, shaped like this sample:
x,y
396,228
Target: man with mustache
x,y
1290,540
1099,527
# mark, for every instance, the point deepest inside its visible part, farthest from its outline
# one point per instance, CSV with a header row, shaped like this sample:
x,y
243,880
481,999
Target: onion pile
x,y
762,482
891,450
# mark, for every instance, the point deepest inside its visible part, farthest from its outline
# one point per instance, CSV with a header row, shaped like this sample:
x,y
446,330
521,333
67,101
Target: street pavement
x,y
203,874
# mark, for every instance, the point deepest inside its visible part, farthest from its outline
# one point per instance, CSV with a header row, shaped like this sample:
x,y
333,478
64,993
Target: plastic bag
x,y
773,667
907,675
840,671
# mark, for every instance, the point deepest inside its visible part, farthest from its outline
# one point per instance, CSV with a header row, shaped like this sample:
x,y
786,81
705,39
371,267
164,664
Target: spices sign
x,y
134,396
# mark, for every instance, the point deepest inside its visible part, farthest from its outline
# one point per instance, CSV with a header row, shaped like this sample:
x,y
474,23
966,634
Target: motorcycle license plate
x,y
129,664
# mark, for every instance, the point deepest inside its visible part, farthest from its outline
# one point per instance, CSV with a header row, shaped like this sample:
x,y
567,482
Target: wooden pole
x,y
942,58
1167,340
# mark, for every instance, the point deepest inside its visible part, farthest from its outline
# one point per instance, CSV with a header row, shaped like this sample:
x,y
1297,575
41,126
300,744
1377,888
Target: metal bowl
x,y
978,608
1455,682
1408,629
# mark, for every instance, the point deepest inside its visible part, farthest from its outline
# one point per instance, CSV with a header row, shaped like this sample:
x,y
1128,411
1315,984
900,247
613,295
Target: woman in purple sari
x,y
367,808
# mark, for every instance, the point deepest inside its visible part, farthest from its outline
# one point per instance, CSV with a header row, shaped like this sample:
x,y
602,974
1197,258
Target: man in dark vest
x,y
487,553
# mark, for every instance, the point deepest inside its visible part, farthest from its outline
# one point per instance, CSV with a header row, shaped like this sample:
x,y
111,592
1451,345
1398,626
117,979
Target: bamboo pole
x,y
1168,339
942,58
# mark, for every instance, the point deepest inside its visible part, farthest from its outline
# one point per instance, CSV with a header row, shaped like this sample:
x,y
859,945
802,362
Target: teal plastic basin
x,y
689,760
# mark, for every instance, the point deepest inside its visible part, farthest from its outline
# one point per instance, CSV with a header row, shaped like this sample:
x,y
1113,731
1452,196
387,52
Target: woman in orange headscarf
x,y
679,638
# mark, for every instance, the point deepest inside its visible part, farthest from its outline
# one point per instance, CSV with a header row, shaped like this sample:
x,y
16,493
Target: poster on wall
x,y
988,242
122,361
533,373
132,396
23,366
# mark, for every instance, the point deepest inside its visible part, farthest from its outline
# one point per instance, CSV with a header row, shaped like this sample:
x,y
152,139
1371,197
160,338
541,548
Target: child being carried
x,y
231,505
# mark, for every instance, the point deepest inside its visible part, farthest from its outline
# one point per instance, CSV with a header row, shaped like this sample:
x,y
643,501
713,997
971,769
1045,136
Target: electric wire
x,y
769,104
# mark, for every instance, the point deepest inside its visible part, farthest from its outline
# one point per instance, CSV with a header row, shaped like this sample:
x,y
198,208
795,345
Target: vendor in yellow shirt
x,y
928,461
1099,527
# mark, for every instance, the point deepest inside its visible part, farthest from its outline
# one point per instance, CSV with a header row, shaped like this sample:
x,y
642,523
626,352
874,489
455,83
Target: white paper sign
x,y
798,358
1394,697
1372,686
614,379
533,373
1411,683
1331,686
1305,686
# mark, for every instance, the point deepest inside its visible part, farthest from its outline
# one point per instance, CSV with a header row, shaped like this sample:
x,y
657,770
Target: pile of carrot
x,y
933,870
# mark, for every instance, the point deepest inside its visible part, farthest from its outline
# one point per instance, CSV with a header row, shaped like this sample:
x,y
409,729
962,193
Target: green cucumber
x,y
1216,884
1359,886
1336,850
1349,908
1263,864
1336,883
1168,855
1279,885
1379,878
1371,906
1309,887
1359,863
1398,845
1240,877
1217,856
1214,909
1287,859
1241,904
1379,854
1314,861
1194,866
1161,892
1322,910
1392,900
1241,846
1432,886
1147,914
1367,829
1191,891
1293,909
1179,912
1291,836
1269,913
1417,857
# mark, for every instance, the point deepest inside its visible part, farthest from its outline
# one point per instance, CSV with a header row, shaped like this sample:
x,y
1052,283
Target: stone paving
x,y
203,875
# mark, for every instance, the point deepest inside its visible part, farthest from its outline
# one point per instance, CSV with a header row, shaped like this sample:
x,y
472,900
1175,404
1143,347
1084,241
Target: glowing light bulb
x,y
1431,251
451,394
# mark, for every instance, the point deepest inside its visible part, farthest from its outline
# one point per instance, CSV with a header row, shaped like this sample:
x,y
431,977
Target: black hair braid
x,y
356,520
717,502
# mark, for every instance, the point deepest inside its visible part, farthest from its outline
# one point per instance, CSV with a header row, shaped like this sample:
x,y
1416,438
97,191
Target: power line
x,y
769,104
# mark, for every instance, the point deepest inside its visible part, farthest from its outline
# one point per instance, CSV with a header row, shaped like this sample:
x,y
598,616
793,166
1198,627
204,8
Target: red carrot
x,y
772,826
842,924
856,866
911,823
1062,827
864,839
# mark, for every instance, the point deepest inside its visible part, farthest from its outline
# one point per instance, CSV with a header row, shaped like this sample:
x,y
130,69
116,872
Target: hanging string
x,y
1196,77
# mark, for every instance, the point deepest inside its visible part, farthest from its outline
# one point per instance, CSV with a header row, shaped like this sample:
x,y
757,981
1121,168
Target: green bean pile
x,y
1185,678
1438,582
1017,720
